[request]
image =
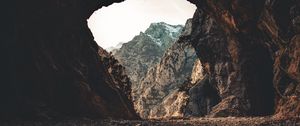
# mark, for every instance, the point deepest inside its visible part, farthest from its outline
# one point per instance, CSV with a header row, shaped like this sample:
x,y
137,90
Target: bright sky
x,y
120,22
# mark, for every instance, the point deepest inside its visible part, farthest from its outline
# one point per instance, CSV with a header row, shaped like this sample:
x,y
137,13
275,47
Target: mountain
x,y
113,49
158,94
249,49
146,49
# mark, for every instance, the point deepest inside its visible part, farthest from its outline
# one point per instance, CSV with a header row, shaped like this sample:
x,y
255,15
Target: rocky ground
x,y
229,121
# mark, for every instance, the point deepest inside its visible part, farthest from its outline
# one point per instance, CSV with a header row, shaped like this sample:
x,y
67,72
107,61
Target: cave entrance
x,y
133,32
260,89
138,33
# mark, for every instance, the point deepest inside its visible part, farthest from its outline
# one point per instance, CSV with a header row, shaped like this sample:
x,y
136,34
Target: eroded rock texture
x,y
145,50
158,95
54,69
201,96
250,52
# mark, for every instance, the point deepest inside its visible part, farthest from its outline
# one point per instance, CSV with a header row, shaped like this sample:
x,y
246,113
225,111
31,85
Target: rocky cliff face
x,y
116,75
158,95
146,49
53,69
201,98
250,51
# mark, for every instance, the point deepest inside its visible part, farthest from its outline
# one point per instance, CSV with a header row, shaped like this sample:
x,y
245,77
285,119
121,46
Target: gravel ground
x,y
229,121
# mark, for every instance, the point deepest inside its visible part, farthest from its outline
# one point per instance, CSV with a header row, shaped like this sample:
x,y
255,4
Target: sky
x,y
120,22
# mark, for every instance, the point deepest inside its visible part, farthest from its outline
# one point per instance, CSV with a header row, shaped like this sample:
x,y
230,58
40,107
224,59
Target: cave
x,y
152,46
52,68
259,73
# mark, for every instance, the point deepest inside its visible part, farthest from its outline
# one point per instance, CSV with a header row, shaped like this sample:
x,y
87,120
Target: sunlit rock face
x,y
250,52
158,95
197,73
145,50
170,107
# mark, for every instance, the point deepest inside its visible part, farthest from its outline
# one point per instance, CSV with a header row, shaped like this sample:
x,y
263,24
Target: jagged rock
x,y
197,73
160,86
202,97
146,49
250,53
116,73
171,106
51,68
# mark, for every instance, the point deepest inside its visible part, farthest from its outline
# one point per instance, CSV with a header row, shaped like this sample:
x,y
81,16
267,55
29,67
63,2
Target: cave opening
x,y
118,29
259,73
53,72
139,35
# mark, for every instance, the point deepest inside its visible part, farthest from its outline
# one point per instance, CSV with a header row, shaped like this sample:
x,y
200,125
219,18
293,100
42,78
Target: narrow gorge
x,y
237,59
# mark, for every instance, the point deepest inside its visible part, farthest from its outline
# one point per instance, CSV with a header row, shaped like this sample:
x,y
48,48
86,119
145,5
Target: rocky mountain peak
x,y
162,27
146,49
161,84
162,33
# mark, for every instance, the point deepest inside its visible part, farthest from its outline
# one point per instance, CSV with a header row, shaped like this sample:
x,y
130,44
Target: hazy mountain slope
x,y
146,49
158,94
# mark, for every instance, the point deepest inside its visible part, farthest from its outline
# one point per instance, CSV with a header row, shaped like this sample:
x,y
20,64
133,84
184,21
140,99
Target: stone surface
x,y
249,50
158,94
250,53
52,67
197,73
145,50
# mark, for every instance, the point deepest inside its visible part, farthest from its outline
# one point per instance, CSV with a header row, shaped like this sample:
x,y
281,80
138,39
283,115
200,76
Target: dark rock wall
x,y
115,76
53,67
250,51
